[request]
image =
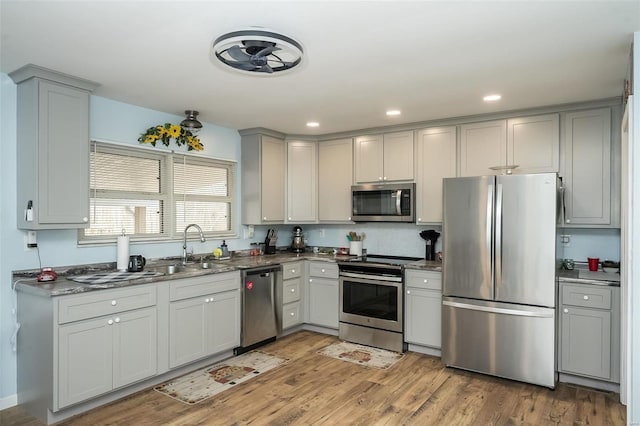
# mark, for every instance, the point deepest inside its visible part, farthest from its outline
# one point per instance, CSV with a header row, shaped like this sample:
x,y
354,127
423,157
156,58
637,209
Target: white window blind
x,y
154,195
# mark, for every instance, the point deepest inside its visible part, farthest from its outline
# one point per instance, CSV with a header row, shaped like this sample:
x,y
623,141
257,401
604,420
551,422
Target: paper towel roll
x,y
122,262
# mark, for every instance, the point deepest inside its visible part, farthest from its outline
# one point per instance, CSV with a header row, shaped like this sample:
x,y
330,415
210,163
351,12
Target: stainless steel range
x,y
371,301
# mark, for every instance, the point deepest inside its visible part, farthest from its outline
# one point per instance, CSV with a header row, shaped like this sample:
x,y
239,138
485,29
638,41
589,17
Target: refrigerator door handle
x,y
497,256
489,232
517,312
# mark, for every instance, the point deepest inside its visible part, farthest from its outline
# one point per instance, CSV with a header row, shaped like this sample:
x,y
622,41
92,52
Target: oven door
x,y
371,301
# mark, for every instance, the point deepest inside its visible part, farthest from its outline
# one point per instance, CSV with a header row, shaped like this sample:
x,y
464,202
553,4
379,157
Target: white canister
x,y
355,248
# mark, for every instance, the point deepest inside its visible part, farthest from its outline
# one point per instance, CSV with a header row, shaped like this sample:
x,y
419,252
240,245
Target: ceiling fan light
x,y
191,123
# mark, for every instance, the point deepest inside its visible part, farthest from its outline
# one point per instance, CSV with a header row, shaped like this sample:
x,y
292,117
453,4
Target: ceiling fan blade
x,y
266,68
267,51
236,53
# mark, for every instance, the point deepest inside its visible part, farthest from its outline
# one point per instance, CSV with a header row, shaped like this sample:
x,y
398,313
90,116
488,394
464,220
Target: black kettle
x,y
136,263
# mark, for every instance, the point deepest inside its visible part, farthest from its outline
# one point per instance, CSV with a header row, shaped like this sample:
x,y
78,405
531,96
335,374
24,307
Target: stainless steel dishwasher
x,y
258,307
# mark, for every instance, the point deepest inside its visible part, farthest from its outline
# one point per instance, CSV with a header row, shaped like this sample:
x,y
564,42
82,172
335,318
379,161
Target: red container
x,y
593,263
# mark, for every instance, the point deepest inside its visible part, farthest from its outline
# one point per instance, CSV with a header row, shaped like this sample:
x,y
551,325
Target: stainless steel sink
x,y
177,268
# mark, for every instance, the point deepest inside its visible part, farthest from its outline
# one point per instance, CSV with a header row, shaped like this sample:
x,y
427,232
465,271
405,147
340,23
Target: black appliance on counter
x,y
371,301
430,236
270,241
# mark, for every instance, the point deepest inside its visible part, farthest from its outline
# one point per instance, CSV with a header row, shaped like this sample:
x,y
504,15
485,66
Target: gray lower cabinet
x,y
289,297
590,331
204,316
99,355
105,340
53,149
323,294
423,302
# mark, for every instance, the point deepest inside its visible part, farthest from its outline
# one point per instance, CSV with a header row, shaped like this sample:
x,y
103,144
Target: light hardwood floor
x,y
312,389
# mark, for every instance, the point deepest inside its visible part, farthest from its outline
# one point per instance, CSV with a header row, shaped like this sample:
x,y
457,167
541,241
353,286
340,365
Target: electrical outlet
x,y
321,232
565,240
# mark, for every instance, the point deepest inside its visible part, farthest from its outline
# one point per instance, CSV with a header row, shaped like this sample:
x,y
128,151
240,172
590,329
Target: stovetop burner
x,y
383,259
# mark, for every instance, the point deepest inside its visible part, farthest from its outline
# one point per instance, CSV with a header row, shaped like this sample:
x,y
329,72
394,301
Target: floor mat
x,y
195,387
362,355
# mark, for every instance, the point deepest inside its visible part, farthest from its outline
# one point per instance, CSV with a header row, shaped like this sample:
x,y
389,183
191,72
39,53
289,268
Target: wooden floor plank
x,y
313,389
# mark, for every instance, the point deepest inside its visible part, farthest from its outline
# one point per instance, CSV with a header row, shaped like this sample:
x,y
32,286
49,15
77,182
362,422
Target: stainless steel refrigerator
x,y
499,292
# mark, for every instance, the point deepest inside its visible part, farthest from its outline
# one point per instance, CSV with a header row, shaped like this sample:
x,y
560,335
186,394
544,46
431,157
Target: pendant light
x,y
191,123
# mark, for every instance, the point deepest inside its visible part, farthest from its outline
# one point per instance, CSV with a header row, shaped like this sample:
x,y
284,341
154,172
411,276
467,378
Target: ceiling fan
x,y
257,50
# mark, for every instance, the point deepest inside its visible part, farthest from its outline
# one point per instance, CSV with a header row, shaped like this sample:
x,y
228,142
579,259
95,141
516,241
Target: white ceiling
x,y
430,59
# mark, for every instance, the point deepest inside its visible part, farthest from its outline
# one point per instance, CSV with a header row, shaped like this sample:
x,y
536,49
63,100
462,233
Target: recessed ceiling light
x,y
393,112
492,98
313,124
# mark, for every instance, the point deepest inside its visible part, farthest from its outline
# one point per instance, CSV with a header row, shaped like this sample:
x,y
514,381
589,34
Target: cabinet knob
x,y
565,310
293,290
289,217
585,297
264,218
419,219
384,178
379,177
207,300
310,280
349,218
408,291
117,319
292,314
322,271
110,322
85,219
293,271
114,303
426,280
568,220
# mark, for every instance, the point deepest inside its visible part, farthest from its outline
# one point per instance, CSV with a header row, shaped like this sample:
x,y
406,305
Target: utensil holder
x,y
355,248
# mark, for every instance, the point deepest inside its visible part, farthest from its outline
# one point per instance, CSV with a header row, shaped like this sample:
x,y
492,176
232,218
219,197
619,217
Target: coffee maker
x,y
297,242
430,236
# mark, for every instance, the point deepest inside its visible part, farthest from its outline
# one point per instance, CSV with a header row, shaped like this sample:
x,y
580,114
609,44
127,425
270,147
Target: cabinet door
x,y
587,167
187,330
85,360
398,156
272,178
335,176
423,317
533,143
223,321
586,342
369,159
135,346
435,160
323,302
302,178
482,145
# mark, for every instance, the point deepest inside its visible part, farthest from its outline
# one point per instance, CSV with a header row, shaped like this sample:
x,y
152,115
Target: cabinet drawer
x,y
291,315
323,269
588,296
203,285
291,270
291,290
423,279
105,302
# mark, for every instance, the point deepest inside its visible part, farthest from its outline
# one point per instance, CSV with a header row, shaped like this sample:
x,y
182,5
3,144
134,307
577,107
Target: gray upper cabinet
x,y
53,149
335,175
435,160
531,143
482,145
587,168
382,158
302,181
263,185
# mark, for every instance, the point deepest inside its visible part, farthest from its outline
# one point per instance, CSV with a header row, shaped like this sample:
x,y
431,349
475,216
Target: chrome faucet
x,y
184,245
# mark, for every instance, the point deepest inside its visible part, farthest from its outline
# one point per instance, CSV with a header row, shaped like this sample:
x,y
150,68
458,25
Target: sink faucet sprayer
x,y
184,245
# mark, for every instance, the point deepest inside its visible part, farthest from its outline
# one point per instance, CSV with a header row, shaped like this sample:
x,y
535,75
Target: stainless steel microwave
x,y
383,203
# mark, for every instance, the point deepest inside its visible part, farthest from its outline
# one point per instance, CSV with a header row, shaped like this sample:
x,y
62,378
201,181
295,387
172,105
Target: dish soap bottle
x,y
225,249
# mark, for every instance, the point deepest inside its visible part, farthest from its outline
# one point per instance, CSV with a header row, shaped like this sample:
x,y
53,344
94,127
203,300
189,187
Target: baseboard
x,y
9,401
592,383
425,350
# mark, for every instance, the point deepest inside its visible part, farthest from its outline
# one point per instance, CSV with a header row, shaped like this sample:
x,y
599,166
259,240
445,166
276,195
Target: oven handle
x,y
371,277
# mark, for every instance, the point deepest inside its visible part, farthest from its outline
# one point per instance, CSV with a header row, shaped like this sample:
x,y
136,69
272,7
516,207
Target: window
x,y
153,195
